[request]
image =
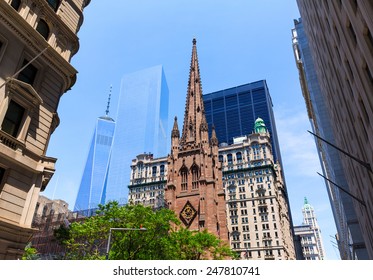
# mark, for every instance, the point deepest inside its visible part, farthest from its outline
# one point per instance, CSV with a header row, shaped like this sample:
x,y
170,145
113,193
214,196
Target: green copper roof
x,y
306,204
260,126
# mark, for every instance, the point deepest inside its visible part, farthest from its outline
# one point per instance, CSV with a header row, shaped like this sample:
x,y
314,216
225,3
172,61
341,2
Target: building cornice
x,y
36,44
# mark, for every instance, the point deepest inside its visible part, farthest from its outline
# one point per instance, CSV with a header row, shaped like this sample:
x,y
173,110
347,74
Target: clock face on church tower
x,y
188,214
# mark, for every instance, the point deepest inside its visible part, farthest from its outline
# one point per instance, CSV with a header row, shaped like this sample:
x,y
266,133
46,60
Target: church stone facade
x,y
194,187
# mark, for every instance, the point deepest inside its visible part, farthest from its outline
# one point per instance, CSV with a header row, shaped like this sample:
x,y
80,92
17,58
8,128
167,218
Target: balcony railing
x,y
10,141
269,257
262,203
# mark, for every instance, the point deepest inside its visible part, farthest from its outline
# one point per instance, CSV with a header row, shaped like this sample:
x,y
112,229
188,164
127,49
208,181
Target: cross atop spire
x,y
194,114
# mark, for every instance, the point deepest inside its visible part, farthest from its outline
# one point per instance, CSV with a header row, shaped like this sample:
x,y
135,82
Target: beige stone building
x,y
37,41
148,181
258,215
341,44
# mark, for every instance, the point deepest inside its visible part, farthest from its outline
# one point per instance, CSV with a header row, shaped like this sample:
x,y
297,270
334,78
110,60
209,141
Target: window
x,y
28,74
3,43
368,37
140,168
54,4
229,158
220,158
184,178
195,177
16,4
2,172
13,119
43,29
162,170
352,32
369,76
239,157
154,171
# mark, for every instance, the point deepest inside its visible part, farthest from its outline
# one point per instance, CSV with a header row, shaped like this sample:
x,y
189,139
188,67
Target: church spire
x,y
214,139
194,109
175,130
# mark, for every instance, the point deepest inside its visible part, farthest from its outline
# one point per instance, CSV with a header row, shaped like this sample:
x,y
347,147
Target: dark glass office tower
x,y
233,112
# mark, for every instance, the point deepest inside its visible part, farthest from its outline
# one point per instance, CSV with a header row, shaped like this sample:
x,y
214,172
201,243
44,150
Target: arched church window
x,y
195,177
184,178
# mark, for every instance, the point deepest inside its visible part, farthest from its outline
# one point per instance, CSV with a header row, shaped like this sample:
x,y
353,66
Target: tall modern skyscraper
x,y
233,112
340,38
93,186
141,126
38,39
349,237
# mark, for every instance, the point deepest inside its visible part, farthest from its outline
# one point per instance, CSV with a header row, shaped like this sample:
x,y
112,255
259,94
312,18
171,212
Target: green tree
x,y
199,245
162,239
30,253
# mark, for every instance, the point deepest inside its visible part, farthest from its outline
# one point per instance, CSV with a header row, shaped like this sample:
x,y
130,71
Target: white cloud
x,y
297,146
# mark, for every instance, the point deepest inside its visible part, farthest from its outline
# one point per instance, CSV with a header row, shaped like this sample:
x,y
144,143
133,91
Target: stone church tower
x,y
194,185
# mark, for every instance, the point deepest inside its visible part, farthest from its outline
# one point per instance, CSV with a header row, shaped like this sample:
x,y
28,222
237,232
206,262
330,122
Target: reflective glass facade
x,y
93,184
142,119
233,112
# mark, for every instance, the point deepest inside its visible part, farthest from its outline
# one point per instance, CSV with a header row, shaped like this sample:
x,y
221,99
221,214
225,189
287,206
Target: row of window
x,y
229,159
266,235
244,212
150,188
42,26
54,4
144,195
247,174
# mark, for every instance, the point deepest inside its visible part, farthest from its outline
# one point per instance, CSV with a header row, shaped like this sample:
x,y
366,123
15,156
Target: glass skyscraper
x,y
233,112
142,120
94,180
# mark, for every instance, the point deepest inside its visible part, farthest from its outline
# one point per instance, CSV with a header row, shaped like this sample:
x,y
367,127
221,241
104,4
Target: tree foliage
x,y
30,253
163,238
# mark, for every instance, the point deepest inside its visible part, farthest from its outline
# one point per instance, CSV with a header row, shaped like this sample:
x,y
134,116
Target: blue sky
x,y
238,42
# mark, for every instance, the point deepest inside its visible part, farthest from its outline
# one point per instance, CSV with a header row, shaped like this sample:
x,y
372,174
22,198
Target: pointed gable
x,y
194,115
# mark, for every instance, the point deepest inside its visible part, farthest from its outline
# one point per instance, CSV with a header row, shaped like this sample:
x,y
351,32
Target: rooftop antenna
x,y
108,102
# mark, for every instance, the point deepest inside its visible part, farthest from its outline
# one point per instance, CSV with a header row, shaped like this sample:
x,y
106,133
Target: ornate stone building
x,y
258,214
148,181
194,185
310,234
37,41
